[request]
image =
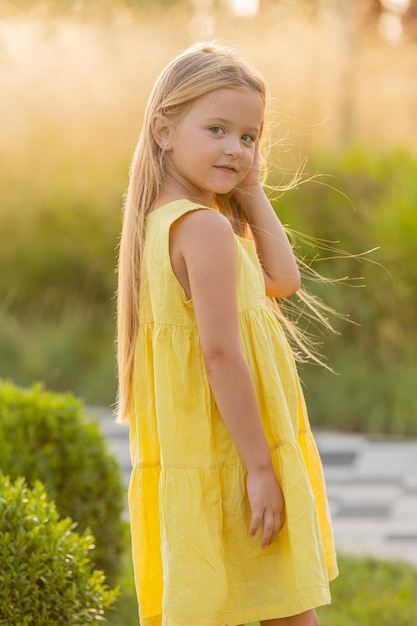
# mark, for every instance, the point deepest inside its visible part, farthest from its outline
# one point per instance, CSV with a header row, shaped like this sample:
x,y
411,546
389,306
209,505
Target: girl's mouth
x,y
227,168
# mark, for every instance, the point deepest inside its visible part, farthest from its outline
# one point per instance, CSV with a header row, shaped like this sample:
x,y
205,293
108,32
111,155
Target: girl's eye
x,y
217,130
248,138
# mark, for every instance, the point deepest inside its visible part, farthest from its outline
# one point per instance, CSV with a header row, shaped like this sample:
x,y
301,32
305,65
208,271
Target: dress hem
x,y
236,618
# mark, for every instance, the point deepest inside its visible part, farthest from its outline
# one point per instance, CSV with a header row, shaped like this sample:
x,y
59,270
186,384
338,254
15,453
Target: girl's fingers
x,y
279,523
268,529
255,522
271,526
267,507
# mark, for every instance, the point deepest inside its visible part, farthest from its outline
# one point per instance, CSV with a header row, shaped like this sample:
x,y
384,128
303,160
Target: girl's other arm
x,y
205,242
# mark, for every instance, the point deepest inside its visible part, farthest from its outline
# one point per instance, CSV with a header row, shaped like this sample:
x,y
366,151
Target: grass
x,y
368,592
372,593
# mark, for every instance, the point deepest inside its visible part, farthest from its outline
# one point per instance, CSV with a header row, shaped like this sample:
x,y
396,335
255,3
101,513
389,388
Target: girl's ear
x,y
162,131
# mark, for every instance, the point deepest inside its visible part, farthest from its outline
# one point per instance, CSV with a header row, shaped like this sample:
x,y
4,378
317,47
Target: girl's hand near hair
x,y
251,180
281,274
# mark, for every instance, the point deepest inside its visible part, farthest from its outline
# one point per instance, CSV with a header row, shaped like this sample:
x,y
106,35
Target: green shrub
x,y
124,612
46,436
46,577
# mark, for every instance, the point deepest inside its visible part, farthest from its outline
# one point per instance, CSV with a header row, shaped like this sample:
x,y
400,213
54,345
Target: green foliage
x,y
46,436
364,201
71,258
124,612
372,393
60,232
370,203
46,576
66,350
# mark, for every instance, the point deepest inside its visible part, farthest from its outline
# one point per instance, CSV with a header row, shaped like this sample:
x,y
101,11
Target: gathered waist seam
x,y
211,466
154,322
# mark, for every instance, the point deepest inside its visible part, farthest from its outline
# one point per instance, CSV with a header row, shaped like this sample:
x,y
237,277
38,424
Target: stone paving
x,y
372,492
371,486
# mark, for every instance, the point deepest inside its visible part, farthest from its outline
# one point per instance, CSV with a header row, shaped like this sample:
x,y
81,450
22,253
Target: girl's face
x,y
212,148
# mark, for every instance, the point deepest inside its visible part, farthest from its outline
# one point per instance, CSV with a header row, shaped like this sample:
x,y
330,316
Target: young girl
x,y
228,510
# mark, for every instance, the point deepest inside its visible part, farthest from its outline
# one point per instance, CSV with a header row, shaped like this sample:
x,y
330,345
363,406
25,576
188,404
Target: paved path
x,y
371,486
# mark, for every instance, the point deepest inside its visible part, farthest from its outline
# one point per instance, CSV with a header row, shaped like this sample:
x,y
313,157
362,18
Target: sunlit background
x,y
74,78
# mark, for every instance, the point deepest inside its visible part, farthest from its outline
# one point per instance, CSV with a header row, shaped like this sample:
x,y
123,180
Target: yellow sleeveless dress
x,y
194,562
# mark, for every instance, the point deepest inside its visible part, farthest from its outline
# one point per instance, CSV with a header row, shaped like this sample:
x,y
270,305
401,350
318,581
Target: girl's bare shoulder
x,y
202,224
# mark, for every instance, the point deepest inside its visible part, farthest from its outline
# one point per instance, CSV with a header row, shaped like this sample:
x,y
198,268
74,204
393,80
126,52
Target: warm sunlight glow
x,y
396,6
245,8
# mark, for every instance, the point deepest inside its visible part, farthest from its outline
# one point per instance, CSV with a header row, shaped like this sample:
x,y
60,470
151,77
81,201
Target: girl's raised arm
x,y
204,240
281,273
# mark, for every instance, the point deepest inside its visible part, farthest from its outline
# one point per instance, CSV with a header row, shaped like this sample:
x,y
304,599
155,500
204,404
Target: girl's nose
x,y
233,147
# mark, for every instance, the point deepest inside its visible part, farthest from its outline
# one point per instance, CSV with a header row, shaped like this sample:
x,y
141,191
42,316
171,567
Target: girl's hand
x,y
267,505
251,179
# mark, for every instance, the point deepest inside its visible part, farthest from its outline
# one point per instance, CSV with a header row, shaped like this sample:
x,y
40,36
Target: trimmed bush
x,y
46,576
46,436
